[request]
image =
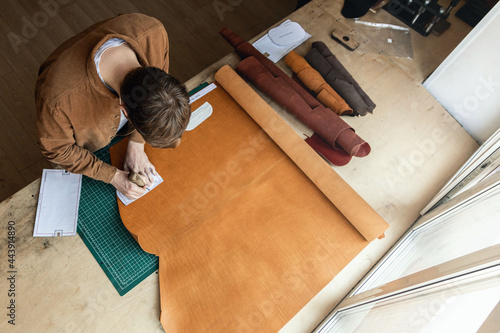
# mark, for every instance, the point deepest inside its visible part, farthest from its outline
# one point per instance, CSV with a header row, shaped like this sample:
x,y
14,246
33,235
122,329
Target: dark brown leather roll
x,y
335,74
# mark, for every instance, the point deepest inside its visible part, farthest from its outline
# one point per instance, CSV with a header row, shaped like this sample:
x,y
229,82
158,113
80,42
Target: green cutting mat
x,y
102,230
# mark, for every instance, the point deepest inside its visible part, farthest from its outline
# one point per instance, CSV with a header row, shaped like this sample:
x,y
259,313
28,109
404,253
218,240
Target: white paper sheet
x,y
274,51
199,115
57,210
157,180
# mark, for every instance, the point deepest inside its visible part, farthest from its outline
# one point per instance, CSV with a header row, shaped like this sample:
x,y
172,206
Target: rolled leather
x,y
295,99
322,120
336,156
335,74
313,80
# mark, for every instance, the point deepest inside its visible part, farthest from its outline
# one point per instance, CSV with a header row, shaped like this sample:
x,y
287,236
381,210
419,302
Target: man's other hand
x,y
136,160
121,182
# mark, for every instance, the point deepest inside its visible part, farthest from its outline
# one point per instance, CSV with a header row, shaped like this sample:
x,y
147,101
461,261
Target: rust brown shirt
x,y
76,113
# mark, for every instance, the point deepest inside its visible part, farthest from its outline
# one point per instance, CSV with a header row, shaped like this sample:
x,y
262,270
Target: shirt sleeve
x,y
56,140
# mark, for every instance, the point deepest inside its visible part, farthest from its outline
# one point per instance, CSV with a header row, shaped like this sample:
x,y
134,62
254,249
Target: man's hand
x,y
136,160
121,182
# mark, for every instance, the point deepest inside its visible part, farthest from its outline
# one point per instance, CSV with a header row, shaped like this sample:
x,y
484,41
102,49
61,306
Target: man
x,y
110,79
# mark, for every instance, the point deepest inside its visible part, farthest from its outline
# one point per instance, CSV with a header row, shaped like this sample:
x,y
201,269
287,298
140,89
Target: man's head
x,y
157,105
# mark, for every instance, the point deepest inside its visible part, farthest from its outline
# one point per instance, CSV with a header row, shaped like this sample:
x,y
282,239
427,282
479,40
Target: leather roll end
x,y
231,37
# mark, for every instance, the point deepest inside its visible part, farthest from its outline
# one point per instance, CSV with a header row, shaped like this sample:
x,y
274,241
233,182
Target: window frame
x,y
456,269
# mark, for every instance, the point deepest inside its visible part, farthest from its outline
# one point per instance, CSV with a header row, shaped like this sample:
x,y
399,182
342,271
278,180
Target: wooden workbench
x,y
416,147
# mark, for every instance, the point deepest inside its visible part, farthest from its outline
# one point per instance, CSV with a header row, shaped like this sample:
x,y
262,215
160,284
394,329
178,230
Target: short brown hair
x,y
157,105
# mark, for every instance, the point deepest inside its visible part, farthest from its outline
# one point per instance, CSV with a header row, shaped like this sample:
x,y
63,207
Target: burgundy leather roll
x,y
335,74
298,101
324,149
245,49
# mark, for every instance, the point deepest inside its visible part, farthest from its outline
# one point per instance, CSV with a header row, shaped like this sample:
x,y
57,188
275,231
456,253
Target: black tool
x,y
420,15
420,11
444,14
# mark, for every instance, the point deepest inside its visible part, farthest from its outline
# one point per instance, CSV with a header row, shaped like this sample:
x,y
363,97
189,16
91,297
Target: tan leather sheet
x,y
245,237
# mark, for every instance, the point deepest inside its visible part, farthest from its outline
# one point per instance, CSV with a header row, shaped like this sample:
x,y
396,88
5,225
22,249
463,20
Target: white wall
x,y
467,83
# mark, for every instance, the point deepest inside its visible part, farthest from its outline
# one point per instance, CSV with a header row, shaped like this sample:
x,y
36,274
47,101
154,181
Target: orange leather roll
x,y
313,80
